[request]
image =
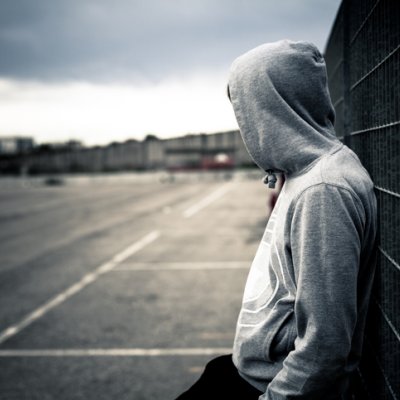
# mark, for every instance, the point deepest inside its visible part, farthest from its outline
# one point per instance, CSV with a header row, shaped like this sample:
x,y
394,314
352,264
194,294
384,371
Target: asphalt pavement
x,y
121,289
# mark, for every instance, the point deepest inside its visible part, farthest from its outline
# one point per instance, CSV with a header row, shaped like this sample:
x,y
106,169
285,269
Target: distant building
x,y
68,145
221,150
16,145
203,151
153,153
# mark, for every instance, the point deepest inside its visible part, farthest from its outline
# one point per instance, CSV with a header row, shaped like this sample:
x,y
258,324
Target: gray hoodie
x,y
300,329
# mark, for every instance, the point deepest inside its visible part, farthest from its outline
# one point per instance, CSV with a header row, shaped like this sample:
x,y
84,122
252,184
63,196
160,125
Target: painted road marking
x,y
189,266
216,335
115,352
206,201
86,280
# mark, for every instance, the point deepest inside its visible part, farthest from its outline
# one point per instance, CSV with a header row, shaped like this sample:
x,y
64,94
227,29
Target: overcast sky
x,y
99,71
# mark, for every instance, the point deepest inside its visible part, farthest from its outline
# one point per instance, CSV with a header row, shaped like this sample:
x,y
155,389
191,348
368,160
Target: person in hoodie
x,y
300,329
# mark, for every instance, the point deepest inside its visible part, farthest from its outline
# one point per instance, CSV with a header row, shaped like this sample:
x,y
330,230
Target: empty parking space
x,y
143,309
143,320
100,378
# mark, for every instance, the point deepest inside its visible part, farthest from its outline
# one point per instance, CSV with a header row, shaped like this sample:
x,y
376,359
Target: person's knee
x,y
219,363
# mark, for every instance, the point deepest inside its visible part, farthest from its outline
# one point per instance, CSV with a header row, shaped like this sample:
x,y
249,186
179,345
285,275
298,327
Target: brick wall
x,y
363,62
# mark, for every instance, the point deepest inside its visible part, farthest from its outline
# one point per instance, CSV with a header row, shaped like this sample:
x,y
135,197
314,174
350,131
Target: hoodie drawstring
x,y
270,179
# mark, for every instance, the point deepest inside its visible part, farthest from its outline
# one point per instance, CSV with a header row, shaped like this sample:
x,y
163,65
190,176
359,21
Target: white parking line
x,y
206,201
189,266
86,280
116,352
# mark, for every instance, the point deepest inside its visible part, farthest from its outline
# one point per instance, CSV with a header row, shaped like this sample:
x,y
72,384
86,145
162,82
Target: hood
x,y
281,100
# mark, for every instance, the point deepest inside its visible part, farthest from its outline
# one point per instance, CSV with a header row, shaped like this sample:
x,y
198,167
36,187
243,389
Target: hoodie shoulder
x,y
344,168
340,168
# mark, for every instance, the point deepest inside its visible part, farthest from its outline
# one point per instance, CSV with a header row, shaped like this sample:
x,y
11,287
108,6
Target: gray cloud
x,y
100,40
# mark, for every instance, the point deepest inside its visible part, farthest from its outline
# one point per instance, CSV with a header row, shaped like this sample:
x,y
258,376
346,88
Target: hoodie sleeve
x,y
325,236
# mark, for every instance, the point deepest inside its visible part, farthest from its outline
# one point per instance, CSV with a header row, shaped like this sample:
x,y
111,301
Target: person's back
x,y
300,329
301,324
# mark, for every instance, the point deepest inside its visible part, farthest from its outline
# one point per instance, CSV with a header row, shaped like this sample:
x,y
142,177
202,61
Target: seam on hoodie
x,y
349,189
354,195
323,159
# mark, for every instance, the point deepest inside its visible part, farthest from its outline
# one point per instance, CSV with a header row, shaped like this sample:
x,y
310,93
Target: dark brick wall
x,y
363,62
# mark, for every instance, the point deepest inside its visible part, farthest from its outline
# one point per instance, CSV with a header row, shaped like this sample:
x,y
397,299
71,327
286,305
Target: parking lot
x,y
121,288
